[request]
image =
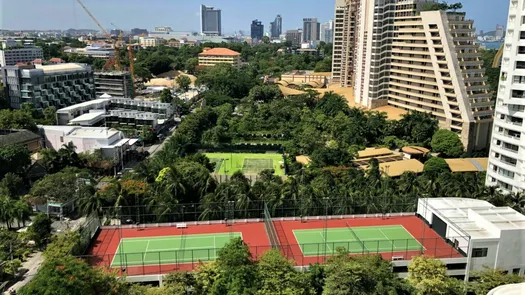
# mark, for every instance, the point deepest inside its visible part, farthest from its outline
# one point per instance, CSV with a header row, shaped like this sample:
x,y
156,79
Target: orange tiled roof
x,y
220,51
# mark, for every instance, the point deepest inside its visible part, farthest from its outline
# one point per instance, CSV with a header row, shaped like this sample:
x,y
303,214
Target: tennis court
x,y
365,239
249,164
170,249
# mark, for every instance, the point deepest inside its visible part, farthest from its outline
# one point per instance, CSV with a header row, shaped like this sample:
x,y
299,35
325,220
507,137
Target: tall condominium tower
x,y
507,154
276,27
257,30
344,40
210,21
425,61
311,30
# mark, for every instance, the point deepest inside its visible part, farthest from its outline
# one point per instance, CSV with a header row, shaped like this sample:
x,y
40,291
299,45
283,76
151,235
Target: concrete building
x,y
138,32
58,85
499,33
257,30
151,41
114,112
487,235
344,40
111,142
507,154
294,37
211,57
12,53
311,30
96,50
276,27
211,23
116,84
425,61
327,32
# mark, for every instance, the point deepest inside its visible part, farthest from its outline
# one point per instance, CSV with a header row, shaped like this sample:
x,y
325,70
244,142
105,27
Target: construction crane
x,y
115,61
130,53
496,63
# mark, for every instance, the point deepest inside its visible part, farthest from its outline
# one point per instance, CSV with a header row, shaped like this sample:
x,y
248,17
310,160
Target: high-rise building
x,y
425,61
327,32
138,32
499,33
12,53
257,30
276,27
116,84
507,153
311,30
294,37
210,21
344,40
58,85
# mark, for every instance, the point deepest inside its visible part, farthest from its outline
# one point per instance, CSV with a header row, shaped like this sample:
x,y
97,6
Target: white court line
x,y
423,247
145,252
113,260
326,243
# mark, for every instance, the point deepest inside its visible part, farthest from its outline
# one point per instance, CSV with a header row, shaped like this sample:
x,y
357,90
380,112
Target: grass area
x,y
367,239
249,164
170,249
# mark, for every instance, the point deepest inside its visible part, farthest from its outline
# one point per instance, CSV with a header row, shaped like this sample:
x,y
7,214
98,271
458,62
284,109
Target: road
x,y
32,265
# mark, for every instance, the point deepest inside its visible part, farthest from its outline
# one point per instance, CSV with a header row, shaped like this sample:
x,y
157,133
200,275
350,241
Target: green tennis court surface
x,y
249,164
367,239
170,249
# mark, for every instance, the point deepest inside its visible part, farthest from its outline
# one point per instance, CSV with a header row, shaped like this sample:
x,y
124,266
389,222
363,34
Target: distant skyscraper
x,y
137,31
327,32
276,27
498,35
257,30
311,30
210,21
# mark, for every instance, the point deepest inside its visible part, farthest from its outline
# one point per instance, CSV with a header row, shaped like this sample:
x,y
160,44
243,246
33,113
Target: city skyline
x,y
145,14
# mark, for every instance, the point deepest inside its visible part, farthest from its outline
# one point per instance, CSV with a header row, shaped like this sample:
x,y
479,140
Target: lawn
x,y
249,164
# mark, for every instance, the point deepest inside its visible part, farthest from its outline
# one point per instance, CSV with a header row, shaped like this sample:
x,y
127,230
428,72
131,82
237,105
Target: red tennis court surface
x,y
104,247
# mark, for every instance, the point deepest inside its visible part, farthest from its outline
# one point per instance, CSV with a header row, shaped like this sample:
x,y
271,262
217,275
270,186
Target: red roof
x,y
220,51
37,61
56,59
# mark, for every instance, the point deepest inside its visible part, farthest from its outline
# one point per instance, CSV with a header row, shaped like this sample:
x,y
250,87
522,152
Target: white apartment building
x,y
11,55
151,41
487,235
415,60
507,155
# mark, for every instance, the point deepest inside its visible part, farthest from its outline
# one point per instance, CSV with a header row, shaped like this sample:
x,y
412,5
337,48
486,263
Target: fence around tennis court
x,y
188,259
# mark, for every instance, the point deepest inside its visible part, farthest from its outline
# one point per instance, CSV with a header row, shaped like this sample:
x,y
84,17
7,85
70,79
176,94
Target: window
x,y
516,271
479,252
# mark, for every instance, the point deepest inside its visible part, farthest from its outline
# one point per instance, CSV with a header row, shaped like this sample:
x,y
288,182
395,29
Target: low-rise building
x,y
151,41
20,137
182,42
58,85
12,52
212,57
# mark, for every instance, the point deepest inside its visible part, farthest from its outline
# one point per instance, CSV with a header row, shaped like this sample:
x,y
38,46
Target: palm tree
x,y
91,203
22,211
494,196
6,211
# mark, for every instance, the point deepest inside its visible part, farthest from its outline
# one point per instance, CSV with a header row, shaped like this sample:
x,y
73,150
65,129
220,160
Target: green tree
x,y
7,207
22,211
278,276
489,278
190,65
429,277
435,166
40,229
12,185
447,143
265,93
49,116
13,159
62,245
62,187
166,96
69,275
184,82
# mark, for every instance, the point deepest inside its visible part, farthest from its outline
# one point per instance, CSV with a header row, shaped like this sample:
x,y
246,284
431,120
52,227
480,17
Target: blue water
x,y
492,45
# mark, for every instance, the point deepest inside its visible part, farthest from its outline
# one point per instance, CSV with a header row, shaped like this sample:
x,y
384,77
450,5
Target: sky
x,y
183,15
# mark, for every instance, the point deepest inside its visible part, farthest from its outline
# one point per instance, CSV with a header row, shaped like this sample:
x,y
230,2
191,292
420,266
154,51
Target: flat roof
x,y
62,67
392,113
88,117
286,91
372,152
465,214
468,164
94,132
397,168
415,150
83,104
303,159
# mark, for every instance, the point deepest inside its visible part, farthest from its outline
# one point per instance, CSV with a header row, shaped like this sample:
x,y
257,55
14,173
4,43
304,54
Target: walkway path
x,y
32,265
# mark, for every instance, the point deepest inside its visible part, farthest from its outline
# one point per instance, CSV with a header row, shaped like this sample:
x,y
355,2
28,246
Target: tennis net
x,y
355,236
270,228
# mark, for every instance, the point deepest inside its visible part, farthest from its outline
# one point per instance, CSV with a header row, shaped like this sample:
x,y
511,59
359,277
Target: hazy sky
x,y
183,15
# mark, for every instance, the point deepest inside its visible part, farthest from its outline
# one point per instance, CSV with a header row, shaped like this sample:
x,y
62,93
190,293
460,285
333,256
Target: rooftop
x,y
71,67
476,217
9,137
415,150
468,164
89,116
372,152
94,132
83,105
397,168
220,51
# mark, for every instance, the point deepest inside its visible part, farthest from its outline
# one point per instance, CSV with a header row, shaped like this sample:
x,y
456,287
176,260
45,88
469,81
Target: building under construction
x,y
115,83
345,34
